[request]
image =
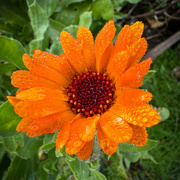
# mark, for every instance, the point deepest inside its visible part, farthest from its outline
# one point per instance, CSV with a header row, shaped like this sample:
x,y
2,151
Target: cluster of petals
x,y
42,103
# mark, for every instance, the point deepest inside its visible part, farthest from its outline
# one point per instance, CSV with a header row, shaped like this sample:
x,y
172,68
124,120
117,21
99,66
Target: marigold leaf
x,y
20,169
164,113
128,147
98,176
8,120
79,168
103,8
85,19
13,142
31,146
12,51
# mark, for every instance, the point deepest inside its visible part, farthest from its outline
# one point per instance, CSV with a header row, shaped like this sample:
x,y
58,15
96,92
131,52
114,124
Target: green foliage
x,y
8,120
12,51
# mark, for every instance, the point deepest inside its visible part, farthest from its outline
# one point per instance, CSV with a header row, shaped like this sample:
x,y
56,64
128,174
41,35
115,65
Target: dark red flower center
x,y
91,93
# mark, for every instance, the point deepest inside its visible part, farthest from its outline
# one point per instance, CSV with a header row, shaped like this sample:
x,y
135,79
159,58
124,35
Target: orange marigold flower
x,y
90,88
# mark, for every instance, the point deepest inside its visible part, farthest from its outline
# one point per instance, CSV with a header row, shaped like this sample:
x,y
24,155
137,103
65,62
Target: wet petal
x,y
13,100
109,147
72,52
39,108
139,137
74,143
24,79
43,71
85,152
42,93
63,135
140,115
87,47
131,97
23,124
115,128
87,127
132,76
47,124
118,65
55,62
103,45
127,36
136,51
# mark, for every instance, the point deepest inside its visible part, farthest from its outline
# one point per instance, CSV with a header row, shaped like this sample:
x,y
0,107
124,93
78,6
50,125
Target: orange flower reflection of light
x,y
90,88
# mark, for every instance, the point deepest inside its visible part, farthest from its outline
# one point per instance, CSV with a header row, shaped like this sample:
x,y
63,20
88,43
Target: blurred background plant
x,y
27,25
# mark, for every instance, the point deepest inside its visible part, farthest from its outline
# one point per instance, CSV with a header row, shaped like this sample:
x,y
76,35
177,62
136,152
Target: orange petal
x,y
132,76
109,147
136,51
88,47
53,61
136,30
74,143
39,108
87,127
63,136
117,65
43,71
23,124
139,137
47,124
125,59
85,152
38,93
25,80
140,115
115,128
72,52
127,36
103,45
131,97
13,100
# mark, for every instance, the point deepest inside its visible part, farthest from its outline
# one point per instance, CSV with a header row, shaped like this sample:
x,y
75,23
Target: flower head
x,y
90,88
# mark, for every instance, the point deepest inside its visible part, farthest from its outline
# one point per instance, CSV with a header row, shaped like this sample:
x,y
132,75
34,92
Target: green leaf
x,y
104,9
128,147
6,67
146,155
39,20
70,15
85,19
8,120
31,146
79,168
48,143
94,165
133,1
132,156
164,113
2,152
48,6
40,23
148,75
55,29
67,3
12,52
21,169
98,176
13,142
72,29
56,48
